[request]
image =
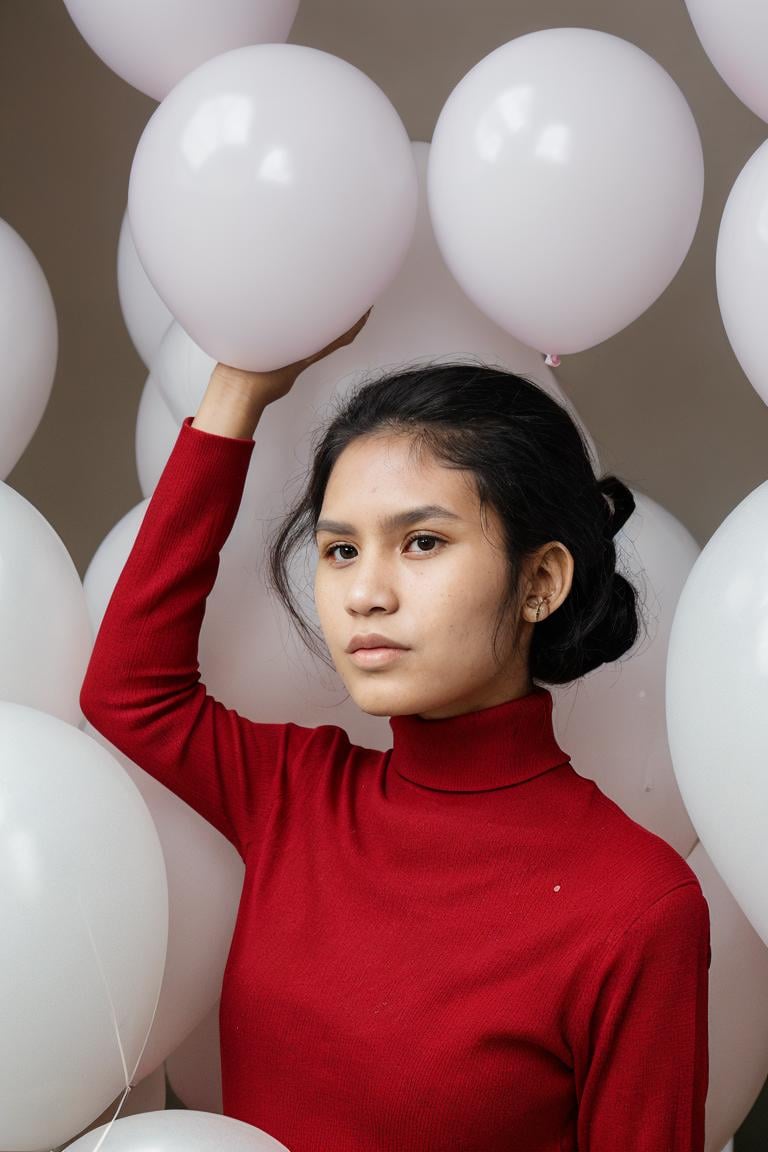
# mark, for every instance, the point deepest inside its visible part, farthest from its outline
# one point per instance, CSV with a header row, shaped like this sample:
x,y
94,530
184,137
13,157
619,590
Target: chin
x,y
375,700
372,703
382,711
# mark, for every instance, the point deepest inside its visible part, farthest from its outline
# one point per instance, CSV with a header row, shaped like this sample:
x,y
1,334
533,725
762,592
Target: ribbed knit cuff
x,y
187,423
203,481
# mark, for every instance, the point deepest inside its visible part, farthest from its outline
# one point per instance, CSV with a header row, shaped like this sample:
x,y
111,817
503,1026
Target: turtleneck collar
x,y
491,748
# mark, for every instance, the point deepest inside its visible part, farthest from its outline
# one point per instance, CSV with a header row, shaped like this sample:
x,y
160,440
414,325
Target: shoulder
x,y
676,919
324,757
632,868
328,741
649,914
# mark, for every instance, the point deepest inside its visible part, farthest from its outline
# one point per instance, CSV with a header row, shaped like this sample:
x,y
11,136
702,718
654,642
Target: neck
x,y
513,689
493,747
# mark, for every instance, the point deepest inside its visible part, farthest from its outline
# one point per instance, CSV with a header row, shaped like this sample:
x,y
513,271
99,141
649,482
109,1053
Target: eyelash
x,y
415,536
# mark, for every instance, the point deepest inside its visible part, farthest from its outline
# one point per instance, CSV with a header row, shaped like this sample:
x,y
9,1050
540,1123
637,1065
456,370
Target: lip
x,y
372,640
376,657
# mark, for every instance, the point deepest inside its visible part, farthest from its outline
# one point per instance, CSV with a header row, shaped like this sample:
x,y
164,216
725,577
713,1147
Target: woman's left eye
x,y
424,536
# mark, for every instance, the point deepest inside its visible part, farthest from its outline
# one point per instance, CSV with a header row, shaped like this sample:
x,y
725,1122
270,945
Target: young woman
x,y
459,944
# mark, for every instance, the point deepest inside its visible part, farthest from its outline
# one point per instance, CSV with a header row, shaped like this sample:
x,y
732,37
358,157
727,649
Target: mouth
x,y
376,657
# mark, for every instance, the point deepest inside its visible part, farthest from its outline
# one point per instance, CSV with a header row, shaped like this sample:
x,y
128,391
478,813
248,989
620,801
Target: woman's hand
x,y
270,386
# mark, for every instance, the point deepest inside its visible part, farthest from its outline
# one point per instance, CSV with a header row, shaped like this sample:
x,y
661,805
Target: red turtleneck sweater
x,y
456,945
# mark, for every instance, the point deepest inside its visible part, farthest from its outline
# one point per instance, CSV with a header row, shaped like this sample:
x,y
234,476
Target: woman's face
x,y
433,584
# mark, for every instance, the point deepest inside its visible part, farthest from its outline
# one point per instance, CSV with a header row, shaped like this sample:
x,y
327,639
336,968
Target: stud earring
x,y
542,600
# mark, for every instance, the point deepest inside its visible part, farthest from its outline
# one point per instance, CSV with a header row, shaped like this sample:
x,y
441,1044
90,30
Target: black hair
x,y
530,463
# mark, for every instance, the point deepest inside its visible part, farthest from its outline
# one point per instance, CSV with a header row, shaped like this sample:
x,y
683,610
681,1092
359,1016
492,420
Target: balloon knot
x,y
552,360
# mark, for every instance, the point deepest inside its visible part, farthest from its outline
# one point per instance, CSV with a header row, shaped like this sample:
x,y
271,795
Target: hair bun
x,y
619,505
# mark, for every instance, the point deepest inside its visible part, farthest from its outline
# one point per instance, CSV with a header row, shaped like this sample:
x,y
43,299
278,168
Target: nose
x,y
371,585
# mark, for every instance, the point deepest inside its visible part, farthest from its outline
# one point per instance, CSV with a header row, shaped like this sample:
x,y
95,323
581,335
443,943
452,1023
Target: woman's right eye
x,y
333,548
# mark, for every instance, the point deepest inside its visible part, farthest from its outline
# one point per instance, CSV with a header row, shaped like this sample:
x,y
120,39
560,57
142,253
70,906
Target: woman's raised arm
x,y
142,686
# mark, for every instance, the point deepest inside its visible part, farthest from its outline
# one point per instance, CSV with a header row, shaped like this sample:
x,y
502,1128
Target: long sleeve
x,y
142,686
643,1076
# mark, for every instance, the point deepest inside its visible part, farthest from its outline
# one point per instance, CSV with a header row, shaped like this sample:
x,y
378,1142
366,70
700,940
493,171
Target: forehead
x,y
385,468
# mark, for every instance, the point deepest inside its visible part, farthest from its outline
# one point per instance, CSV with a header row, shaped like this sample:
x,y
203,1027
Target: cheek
x,y
459,615
473,619
472,595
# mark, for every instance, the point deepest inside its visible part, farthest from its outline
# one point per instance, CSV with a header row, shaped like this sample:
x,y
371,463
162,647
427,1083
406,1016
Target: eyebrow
x,y
390,523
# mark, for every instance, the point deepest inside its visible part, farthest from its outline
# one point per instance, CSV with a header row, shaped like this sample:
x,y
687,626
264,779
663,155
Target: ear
x,y
550,576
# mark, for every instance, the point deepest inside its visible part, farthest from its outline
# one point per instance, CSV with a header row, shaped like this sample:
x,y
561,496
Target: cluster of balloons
x,y
273,197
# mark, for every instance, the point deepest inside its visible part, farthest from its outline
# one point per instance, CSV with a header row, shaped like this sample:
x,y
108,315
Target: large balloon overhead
x,y
153,43
272,198
565,184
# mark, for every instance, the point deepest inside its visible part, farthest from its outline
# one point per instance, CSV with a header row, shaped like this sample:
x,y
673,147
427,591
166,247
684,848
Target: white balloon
x,y
145,315
84,914
735,36
612,721
178,1131
205,880
156,433
181,371
153,43
717,687
29,345
565,185
45,634
742,269
272,198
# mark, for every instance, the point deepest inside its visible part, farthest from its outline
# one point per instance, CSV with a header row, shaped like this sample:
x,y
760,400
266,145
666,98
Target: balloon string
x,y
128,1080
111,1122
105,982
552,360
